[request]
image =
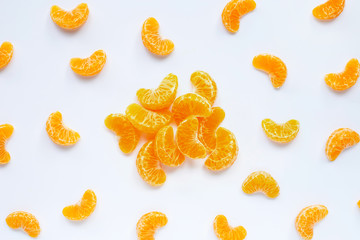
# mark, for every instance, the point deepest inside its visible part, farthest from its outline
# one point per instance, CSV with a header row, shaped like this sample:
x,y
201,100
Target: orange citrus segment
x,y
24,220
121,126
187,139
224,231
358,203
145,120
281,133
6,130
204,85
225,153
82,209
152,40
346,79
329,10
261,182
190,104
166,148
339,140
307,218
272,65
89,66
159,98
6,53
148,165
149,223
208,127
233,11
58,132
70,19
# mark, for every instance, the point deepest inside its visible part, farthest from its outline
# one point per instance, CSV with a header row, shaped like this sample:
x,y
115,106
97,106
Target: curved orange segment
x,y
224,231
281,133
58,132
70,19
24,220
346,79
307,218
208,127
272,65
233,11
261,182
6,130
6,53
82,209
340,140
204,85
329,10
149,223
89,66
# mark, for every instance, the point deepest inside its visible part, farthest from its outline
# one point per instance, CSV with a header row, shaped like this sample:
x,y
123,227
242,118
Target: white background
x,y
42,177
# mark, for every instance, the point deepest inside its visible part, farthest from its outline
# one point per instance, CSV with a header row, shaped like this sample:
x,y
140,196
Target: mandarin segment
x,y
261,181
89,66
204,85
273,66
6,130
128,134
6,53
190,104
281,133
166,148
70,20
145,120
329,10
148,165
24,220
148,224
152,39
340,140
233,11
83,209
58,132
346,79
224,231
208,127
307,218
187,139
159,98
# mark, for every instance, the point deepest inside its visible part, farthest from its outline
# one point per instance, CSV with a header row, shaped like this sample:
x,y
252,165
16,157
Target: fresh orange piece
x,y
24,220
358,203
6,130
187,139
83,209
272,65
233,11
329,10
208,127
70,19
121,126
190,104
225,232
58,132
339,140
148,165
152,40
6,53
149,223
145,120
162,97
307,218
346,79
261,181
166,148
89,66
281,133
225,153
204,85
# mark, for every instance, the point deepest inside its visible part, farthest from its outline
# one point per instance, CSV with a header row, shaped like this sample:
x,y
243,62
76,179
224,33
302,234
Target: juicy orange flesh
x,y
261,182
204,85
160,98
281,133
346,79
6,53
208,127
89,66
152,40
148,165
166,148
329,10
6,131
121,126
224,231
58,132
149,223
70,19
233,11
24,220
187,139
339,140
272,65
82,209
307,218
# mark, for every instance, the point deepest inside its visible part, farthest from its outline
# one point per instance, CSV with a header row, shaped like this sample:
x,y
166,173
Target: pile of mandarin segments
x,y
181,127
